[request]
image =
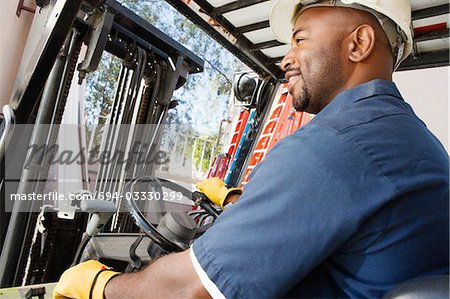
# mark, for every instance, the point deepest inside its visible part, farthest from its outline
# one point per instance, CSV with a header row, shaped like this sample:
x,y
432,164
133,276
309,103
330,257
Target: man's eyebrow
x,y
297,31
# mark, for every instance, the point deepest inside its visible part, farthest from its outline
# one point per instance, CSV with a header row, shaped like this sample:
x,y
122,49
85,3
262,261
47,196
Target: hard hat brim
x,y
281,20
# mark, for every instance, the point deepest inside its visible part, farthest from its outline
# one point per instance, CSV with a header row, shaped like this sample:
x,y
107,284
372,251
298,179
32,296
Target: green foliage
x,y
100,87
209,151
187,149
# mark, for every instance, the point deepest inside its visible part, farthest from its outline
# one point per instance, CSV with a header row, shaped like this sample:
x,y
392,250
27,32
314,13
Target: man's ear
x,y
362,43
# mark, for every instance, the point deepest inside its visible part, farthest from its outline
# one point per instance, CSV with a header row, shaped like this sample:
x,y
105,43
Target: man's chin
x,y
299,104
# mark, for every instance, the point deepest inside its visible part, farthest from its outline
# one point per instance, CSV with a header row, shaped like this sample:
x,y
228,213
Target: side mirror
x,y
245,87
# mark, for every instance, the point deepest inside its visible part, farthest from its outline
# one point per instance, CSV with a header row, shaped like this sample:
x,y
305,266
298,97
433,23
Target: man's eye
x,y
299,40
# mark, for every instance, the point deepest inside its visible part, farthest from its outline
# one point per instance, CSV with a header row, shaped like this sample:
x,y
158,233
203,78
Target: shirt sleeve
x,y
310,194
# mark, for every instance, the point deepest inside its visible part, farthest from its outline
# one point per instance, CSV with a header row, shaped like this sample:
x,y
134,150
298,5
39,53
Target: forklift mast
x,y
153,66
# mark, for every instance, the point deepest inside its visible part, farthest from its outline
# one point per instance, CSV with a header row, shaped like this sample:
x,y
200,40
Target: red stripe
x,y
429,28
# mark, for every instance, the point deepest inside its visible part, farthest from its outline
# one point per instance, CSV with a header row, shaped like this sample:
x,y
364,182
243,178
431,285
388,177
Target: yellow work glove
x,y
216,191
84,281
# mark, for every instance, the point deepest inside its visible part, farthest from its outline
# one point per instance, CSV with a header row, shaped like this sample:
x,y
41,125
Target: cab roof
x,y
243,28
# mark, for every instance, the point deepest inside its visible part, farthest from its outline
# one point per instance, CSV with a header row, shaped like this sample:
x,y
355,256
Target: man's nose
x,y
287,61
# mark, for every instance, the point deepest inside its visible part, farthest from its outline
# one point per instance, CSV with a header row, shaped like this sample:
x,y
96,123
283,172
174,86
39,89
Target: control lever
x,y
201,200
136,261
101,211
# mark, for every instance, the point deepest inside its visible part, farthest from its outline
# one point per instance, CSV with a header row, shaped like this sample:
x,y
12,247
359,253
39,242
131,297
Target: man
x,y
350,205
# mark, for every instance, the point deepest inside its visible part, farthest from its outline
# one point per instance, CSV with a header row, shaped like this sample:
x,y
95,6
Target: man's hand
x,y
84,281
216,191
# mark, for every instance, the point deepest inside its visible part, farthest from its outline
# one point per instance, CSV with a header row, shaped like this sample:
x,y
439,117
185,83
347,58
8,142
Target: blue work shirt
x,y
349,205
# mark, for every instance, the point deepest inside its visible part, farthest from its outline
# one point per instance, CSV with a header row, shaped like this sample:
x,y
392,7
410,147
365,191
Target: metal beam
x,y
265,45
431,12
241,47
28,87
443,33
25,97
243,44
235,6
253,27
150,36
30,81
425,60
276,59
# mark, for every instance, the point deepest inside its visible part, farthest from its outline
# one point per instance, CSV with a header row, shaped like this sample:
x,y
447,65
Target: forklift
x,y
40,239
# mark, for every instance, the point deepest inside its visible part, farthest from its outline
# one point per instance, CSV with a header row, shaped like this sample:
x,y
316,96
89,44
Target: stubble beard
x,y
322,84
301,102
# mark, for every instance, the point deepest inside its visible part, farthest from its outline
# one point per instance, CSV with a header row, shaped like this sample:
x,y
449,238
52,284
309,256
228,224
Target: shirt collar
x,y
376,87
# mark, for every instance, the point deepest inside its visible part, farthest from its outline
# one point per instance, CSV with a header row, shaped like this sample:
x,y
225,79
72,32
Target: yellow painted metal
x,y
19,292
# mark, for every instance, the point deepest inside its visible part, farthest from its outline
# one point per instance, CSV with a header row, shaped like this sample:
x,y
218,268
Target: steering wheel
x,y
145,225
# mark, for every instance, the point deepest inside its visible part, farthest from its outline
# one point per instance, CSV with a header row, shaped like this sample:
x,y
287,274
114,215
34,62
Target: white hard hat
x,y
394,17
